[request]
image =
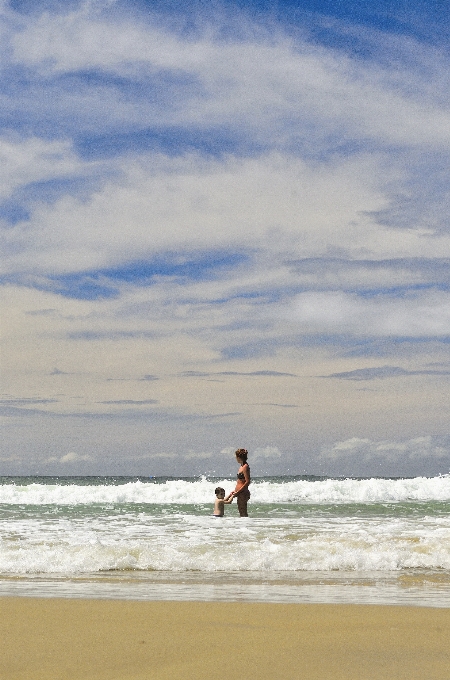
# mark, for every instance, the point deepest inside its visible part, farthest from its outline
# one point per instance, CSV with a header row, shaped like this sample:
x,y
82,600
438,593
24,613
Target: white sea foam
x,y
328,525
186,543
184,492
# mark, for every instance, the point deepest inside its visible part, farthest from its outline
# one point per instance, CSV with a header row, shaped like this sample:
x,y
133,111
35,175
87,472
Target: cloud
x,y
253,203
145,378
382,372
416,315
262,373
257,453
394,276
156,456
23,162
229,450
69,458
104,283
143,457
266,452
150,416
221,194
200,455
309,110
217,416
41,312
279,405
265,82
25,401
129,402
415,450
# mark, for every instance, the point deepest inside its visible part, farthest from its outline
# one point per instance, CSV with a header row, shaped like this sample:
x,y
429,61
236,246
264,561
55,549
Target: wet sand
x,y
69,639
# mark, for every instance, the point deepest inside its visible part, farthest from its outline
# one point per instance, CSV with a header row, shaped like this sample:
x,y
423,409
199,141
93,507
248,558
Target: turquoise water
x,y
307,539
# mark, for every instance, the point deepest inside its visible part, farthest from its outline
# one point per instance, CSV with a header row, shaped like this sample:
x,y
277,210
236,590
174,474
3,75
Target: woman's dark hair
x,y
242,454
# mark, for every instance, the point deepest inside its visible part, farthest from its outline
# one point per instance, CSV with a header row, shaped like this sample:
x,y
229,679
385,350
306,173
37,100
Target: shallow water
x,y
307,540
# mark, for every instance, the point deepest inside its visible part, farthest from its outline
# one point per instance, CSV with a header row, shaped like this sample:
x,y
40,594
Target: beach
x,y
75,639
132,579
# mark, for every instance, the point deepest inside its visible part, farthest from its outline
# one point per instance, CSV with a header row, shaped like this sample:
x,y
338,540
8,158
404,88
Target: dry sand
x,y
63,639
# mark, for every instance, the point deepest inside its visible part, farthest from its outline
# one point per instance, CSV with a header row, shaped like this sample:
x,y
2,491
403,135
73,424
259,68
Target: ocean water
x,y
307,539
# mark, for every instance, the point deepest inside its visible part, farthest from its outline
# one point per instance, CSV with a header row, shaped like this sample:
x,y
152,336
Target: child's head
x,y
220,493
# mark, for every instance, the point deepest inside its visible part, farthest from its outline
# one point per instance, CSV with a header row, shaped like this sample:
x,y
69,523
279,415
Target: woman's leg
x,y
242,504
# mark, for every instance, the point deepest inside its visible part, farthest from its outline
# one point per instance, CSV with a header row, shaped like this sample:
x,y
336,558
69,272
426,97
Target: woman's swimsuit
x,y
246,493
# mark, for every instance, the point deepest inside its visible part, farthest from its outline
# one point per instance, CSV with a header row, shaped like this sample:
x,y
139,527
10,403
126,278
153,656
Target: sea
x,y
307,539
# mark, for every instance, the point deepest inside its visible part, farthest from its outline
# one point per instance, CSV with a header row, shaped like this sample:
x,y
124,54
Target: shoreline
x,y
419,589
88,639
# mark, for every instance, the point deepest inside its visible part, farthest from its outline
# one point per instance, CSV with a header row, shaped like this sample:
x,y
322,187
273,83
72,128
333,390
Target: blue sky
x,y
225,224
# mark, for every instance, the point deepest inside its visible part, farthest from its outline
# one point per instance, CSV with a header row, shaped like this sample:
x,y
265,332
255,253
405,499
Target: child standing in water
x,y
220,501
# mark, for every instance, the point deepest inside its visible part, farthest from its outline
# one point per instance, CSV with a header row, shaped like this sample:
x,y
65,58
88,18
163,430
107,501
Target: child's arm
x,y
228,500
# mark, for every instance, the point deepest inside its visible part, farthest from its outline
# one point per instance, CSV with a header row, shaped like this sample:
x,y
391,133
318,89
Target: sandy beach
x,y
68,639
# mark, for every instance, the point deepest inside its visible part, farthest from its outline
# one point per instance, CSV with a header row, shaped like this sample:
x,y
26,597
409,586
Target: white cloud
x,y
254,454
159,455
228,450
293,97
70,457
266,452
79,40
367,450
153,456
419,315
333,159
200,455
274,203
23,161
257,80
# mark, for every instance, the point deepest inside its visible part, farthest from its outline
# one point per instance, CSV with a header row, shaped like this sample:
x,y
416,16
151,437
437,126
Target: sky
x,y
224,225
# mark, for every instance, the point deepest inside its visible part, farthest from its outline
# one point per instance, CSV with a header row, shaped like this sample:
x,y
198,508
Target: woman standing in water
x,y
241,491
